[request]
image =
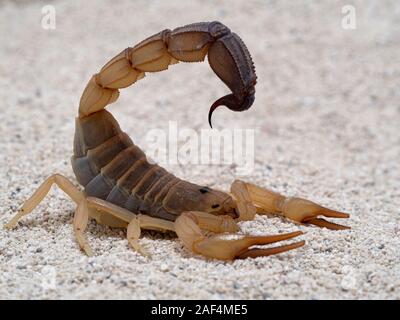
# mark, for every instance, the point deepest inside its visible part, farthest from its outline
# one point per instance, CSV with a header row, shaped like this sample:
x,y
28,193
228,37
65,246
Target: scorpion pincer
x,y
123,189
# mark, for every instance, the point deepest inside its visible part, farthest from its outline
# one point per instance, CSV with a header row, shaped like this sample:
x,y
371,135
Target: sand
x,y
326,120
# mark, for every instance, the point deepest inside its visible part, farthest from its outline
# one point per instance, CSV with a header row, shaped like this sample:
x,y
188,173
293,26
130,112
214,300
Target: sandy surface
x,y
327,120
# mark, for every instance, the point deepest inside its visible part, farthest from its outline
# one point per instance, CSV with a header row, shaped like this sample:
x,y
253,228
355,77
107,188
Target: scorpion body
x,y
111,167
123,189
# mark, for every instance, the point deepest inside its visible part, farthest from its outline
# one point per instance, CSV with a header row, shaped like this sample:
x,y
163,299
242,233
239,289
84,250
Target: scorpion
x,y
123,189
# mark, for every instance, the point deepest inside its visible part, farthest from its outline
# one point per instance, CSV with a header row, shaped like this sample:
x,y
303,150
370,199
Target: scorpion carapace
x,y
123,189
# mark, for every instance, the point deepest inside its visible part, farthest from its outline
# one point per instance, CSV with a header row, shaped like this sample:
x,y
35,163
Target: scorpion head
x,y
187,196
218,202
231,61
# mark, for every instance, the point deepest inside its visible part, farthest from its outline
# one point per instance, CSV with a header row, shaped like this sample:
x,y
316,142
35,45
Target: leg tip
x,y
10,225
139,249
88,251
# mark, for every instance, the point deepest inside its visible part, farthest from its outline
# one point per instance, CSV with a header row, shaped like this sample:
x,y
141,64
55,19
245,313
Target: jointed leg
x,y
134,222
96,208
133,234
62,182
145,222
296,209
81,213
187,227
81,218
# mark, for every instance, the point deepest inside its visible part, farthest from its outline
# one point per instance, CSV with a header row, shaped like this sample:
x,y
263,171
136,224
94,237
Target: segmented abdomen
x,y
111,167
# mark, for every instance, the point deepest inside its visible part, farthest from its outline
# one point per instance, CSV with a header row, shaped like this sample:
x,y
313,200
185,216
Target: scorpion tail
x,y
227,55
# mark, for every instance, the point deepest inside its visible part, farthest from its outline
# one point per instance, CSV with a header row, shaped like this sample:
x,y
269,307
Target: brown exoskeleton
x,y
122,189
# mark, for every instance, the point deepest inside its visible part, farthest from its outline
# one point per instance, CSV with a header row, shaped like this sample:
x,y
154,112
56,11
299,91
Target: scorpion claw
x,y
305,211
216,247
258,252
296,209
326,224
187,227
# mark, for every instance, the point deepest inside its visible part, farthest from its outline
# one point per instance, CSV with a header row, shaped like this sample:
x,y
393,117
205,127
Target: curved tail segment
x,y
227,54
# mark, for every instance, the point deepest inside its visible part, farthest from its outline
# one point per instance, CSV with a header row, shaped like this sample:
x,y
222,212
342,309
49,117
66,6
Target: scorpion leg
x,y
187,227
133,226
134,222
81,218
145,222
133,234
296,209
98,208
62,182
81,213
